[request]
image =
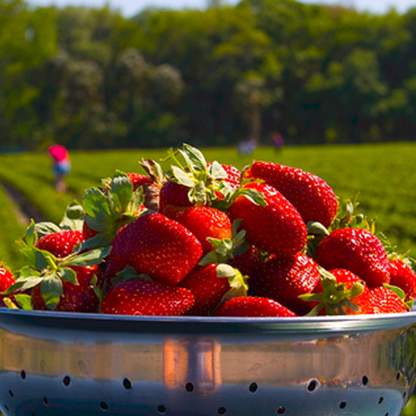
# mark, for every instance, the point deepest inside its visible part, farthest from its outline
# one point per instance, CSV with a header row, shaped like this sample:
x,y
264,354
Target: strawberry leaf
x,y
216,171
46,228
24,301
89,258
182,178
52,290
30,238
121,190
73,218
69,275
194,158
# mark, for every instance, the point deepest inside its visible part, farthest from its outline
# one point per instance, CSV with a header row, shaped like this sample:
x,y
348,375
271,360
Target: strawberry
x,y
275,227
56,281
285,278
384,300
76,297
144,297
204,222
138,179
154,245
339,292
402,276
357,250
310,195
6,278
61,243
246,261
253,306
209,284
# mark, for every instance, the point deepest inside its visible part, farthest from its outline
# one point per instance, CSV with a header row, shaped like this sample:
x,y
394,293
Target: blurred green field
x,y
382,175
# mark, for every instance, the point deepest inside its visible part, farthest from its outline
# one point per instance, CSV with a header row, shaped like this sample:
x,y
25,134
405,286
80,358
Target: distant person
x,y
247,147
278,141
61,165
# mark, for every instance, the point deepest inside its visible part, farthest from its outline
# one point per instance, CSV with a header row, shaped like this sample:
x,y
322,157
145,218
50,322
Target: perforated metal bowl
x,y
60,364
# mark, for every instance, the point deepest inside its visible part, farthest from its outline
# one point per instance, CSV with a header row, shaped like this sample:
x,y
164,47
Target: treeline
x,y
92,78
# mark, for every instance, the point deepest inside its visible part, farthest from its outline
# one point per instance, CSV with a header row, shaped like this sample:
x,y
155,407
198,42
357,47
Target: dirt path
x,y
22,208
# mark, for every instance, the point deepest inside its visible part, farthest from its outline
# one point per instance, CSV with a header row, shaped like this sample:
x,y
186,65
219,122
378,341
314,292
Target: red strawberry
x,y
156,246
79,297
284,278
137,179
276,228
61,243
173,193
144,297
203,222
6,278
247,261
252,306
384,300
357,250
309,194
339,292
402,276
210,283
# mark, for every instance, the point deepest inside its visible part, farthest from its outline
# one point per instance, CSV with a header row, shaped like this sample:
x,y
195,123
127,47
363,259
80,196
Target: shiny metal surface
x,y
60,364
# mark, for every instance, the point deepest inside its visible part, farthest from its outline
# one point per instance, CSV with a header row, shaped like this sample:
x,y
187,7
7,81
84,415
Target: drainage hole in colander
x,y
404,395
104,406
67,381
189,387
281,410
6,407
11,394
161,409
222,410
45,401
127,384
343,405
365,380
313,384
381,400
253,387
23,374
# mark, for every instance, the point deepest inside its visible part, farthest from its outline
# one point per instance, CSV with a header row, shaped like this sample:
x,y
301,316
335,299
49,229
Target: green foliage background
x,y
92,78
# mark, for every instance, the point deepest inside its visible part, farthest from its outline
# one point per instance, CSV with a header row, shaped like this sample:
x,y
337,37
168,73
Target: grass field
x,y
382,174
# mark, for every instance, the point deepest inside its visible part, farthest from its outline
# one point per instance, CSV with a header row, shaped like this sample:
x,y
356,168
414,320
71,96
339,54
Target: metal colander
x,y
60,364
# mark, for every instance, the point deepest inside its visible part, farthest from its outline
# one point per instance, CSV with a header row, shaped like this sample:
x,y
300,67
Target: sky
x,y
130,7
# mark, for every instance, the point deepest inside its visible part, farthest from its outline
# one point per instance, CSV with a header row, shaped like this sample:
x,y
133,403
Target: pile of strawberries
x,y
205,239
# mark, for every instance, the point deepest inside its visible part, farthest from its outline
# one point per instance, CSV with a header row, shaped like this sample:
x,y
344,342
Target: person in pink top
x,y
61,165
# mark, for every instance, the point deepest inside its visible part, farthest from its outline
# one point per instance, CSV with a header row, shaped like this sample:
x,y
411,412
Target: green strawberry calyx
x,y
335,297
236,280
107,210
194,173
227,248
